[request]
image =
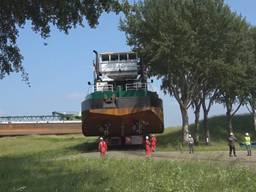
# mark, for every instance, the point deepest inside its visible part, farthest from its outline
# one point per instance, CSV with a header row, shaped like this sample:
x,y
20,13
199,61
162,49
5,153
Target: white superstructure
x,y
118,66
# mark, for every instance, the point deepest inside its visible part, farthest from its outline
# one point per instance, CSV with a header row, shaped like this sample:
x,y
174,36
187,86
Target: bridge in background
x,y
55,117
57,123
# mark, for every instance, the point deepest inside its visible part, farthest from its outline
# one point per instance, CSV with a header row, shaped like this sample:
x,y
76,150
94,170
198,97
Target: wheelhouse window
x,y
123,57
114,57
105,57
132,56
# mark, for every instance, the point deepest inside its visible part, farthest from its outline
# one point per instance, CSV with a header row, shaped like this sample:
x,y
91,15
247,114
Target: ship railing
x,y
136,86
103,88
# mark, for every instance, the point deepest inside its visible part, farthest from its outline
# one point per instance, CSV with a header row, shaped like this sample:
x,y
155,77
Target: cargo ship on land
x,y
120,106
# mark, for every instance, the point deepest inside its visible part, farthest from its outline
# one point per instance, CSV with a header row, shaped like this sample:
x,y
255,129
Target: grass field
x,y
68,163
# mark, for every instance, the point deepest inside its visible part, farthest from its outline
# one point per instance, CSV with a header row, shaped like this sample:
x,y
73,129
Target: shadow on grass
x,y
92,146
88,146
127,147
170,138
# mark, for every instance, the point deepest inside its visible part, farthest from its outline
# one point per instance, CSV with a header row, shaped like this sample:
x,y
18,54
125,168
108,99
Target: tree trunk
x,y
197,125
205,121
254,119
185,131
252,111
229,121
206,128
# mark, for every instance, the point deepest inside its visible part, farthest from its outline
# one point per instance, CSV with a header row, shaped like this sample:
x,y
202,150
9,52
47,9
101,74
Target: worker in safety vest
x,y
102,148
190,144
247,142
231,143
147,147
153,143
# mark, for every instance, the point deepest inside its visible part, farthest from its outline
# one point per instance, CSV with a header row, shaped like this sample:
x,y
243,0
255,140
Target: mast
x,y
97,65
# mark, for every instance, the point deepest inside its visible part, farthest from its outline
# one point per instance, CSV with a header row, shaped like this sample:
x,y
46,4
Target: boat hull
x,y
123,117
122,122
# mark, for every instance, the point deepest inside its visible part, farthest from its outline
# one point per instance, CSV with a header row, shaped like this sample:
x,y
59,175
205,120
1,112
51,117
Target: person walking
x,y
231,143
102,147
247,142
147,147
153,143
190,144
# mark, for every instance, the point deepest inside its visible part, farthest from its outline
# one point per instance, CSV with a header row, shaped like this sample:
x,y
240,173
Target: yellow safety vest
x,y
247,140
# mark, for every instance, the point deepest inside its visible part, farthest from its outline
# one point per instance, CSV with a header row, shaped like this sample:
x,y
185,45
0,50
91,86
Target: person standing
x,y
147,147
153,143
190,144
247,142
231,143
102,147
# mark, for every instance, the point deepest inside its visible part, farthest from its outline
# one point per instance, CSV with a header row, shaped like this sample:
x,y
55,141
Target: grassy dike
x,y
62,163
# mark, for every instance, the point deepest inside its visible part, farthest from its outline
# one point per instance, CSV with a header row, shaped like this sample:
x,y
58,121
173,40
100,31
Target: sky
x,y
60,70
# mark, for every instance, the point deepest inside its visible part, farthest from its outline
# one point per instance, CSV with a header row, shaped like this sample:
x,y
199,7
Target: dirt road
x,y
204,157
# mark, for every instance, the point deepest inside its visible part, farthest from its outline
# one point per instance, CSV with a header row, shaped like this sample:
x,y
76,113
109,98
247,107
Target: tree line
x,y
202,51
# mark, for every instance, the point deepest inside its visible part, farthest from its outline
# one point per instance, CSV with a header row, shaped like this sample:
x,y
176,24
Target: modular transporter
x,y
120,107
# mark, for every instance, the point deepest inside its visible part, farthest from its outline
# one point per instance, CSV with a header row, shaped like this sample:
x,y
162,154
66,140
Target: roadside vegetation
x,y
172,137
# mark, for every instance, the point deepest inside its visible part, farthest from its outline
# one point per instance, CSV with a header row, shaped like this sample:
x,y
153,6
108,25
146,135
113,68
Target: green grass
x,y
170,140
61,163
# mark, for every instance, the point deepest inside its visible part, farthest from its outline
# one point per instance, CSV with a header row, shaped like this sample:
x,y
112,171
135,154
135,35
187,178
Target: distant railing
x,y
34,119
39,122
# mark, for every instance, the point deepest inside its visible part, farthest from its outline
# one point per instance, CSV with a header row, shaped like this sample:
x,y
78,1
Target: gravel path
x,y
204,157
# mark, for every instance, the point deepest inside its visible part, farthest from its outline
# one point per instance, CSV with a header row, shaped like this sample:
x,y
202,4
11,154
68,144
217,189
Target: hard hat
x,y
101,138
231,133
146,137
246,134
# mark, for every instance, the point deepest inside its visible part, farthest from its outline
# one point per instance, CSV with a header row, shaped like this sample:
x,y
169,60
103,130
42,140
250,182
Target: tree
x,y
181,41
209,19
237,57
43,14
162,33
251,76
222,52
